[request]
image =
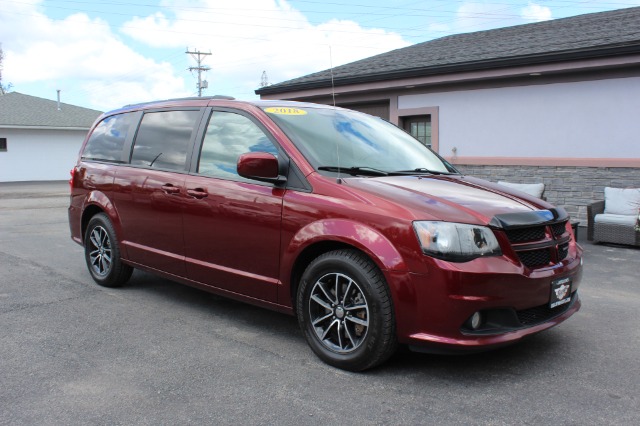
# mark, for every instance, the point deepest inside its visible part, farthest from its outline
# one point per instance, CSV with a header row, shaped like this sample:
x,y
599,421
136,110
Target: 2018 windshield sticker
x,y
285,111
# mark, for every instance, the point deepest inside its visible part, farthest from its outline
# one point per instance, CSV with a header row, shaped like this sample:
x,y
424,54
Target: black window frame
x,y
419,119
4,145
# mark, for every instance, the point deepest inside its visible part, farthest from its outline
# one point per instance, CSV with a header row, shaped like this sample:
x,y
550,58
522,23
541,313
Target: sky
x,y
104,54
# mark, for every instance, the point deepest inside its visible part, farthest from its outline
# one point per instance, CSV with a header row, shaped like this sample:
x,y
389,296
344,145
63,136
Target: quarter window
x,y
107,139
163,139
228,136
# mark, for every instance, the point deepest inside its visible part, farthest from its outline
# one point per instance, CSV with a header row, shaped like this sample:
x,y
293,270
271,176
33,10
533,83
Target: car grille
x,y
540,245
526,234
559,228
533,258
539,314
563,251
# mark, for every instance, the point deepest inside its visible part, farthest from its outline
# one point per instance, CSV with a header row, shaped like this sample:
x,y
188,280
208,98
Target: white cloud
x,y
536,13
81,56
246,37
96,65
478,16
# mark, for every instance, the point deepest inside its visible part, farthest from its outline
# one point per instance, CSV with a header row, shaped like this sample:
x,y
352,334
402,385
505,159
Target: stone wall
x,y
569,187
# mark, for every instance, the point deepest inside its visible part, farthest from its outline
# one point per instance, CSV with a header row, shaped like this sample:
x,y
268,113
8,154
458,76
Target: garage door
x,y
380,109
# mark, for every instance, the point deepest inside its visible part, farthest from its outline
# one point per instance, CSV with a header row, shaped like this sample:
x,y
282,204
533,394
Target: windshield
x,y
338,140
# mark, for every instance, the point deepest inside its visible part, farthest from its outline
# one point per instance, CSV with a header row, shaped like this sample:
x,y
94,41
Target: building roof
x,y
593,35
24,111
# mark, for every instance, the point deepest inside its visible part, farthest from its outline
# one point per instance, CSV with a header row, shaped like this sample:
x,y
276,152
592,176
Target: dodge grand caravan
x,y
364,234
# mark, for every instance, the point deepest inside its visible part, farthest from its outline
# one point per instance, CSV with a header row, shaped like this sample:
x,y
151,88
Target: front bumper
x,y
433,309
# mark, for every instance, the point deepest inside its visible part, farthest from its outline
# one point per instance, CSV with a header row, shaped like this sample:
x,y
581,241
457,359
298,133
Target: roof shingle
x,y
20,110
580,36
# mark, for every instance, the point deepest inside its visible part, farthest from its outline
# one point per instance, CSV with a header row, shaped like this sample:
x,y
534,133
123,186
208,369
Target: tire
x,y
102,253
345,311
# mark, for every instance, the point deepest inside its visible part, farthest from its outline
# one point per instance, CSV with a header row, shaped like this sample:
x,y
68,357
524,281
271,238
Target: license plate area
x,y
560,292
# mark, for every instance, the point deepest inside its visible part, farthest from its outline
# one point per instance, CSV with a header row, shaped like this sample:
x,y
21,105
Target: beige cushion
x,y
535,189
615,219
622,201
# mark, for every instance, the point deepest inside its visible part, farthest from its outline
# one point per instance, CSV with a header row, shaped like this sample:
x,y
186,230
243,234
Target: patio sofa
x,y
614,219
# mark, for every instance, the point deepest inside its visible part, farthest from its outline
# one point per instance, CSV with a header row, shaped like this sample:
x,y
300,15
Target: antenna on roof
x,y
333,94
58,99
333,90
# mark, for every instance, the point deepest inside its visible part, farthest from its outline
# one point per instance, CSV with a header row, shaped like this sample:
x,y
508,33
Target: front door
x,y
232,224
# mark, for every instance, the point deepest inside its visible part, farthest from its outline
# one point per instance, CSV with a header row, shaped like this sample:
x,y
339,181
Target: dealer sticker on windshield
x,y
560,292
285,111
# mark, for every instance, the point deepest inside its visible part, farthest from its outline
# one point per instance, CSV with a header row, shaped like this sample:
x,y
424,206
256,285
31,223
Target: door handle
x,y
170,189
198,193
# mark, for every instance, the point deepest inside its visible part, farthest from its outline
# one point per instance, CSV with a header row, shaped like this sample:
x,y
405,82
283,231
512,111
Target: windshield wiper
x,y
354,171
423,170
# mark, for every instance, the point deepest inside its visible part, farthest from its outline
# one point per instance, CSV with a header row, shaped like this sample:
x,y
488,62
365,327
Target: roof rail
x,y
191,98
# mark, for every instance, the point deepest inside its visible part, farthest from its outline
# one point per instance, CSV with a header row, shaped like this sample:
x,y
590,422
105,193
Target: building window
x,y
419,127
3,144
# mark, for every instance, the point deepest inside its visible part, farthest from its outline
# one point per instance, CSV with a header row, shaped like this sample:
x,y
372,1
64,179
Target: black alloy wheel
x,y
345,310
102,253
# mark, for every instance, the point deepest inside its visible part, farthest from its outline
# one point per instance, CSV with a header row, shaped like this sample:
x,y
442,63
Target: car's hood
x,y
452,198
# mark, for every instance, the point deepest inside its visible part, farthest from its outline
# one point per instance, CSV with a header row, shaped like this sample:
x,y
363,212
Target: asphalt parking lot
x,y
155,352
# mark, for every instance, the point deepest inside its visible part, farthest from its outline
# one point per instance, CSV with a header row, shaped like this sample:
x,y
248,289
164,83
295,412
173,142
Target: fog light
x,y
475,321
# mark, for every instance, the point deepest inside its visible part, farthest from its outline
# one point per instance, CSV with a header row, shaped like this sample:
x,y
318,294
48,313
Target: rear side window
x,y
107,140
163,139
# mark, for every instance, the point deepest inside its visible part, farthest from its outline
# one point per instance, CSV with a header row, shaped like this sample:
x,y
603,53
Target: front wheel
x,y
345,311
102,253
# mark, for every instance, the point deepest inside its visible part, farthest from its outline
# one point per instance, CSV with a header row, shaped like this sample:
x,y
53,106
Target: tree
x,y
3,89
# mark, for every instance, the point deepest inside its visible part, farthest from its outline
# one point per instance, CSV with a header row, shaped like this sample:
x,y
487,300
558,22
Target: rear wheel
x,y
102,253
345,311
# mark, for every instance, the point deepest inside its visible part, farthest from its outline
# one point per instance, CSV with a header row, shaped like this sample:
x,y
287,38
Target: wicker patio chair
x,y
607,232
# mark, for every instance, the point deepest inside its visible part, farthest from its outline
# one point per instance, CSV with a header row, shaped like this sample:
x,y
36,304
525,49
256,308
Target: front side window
x,y
163,139
228,136
342,139
107,140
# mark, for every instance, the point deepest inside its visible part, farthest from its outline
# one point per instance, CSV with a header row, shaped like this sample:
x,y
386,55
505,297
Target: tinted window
x,y
228,136
163,139
108,138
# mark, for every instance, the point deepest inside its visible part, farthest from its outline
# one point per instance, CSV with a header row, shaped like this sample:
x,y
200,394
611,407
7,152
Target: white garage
x,y
40,138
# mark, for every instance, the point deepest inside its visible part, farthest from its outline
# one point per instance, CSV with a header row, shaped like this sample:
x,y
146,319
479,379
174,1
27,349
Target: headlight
x,y
456,242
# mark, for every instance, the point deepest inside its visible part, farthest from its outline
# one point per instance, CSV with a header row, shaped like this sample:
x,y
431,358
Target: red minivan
x,y
337,217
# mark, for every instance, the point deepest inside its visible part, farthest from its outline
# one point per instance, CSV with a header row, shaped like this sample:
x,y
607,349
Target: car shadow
x,y
182,296
529,357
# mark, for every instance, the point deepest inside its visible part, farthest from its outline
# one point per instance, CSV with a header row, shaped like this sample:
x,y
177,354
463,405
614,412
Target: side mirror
x,y
260,166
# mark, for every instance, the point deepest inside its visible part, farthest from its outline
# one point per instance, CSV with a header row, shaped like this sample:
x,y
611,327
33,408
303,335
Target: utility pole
x,y
198,56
